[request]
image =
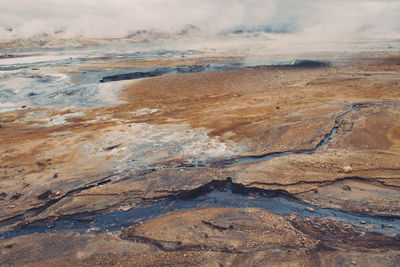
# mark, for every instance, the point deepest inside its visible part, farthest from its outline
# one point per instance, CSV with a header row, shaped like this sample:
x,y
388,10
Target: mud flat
x,y
293,164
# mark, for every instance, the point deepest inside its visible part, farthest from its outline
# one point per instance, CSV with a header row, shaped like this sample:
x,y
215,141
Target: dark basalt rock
x,y
32,94
16,196
45,195
111,147
3,195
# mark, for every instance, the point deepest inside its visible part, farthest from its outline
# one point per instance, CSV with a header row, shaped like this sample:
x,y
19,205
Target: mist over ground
x,y
121,18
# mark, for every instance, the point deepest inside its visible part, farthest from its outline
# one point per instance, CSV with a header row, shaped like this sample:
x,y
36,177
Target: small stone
x,y
32,94
353,262
111,147
347,169
310,209
55,175
16,196
346,187
363,222
39,164
45,195
206,235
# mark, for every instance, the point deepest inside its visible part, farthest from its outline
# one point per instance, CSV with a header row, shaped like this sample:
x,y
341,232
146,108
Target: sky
x,y
118,18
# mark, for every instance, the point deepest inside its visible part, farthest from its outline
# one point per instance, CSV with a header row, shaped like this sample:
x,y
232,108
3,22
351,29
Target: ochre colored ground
x,y
213,116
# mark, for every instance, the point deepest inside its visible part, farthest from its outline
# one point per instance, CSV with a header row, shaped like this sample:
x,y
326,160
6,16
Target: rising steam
x,y
119,18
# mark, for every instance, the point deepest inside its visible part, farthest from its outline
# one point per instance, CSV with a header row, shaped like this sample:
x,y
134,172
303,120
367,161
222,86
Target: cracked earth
x,y
182,169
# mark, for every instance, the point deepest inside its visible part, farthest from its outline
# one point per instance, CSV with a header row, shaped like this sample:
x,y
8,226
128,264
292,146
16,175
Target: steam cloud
x,y
118,18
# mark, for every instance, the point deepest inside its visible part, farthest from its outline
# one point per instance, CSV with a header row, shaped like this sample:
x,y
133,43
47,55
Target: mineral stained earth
x,y
293,164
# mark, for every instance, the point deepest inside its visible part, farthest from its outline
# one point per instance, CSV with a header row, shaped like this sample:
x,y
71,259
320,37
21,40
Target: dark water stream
x,y
215,194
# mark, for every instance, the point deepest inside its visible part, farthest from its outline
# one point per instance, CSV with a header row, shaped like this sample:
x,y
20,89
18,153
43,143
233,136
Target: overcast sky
x,y
116,18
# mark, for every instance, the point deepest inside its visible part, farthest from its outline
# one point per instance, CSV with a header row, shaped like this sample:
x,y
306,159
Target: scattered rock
x,y
363,222
32,94
3,195
111,147
39,164
45,195
347,169
16,196
55,175
310,209
346,187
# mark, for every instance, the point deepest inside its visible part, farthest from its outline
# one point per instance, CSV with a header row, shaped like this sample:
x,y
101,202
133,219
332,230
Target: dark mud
x,y
215,194
132,76
205,68
305,63
148,73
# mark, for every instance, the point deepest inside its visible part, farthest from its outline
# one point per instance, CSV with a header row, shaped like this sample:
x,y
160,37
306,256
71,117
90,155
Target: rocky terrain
x,y
283,165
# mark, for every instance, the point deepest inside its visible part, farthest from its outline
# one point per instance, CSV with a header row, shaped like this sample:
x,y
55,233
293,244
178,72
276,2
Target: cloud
x,y
117,18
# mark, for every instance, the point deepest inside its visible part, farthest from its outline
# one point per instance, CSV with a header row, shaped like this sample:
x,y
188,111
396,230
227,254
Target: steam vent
x,y
186,133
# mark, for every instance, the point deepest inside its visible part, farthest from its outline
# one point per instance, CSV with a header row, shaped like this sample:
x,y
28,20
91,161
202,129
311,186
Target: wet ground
x,y
182,157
